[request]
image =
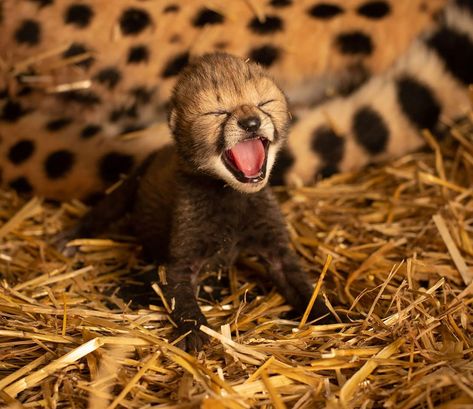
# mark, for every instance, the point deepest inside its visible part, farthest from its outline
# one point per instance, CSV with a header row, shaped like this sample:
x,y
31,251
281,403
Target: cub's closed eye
x,y
262,104
217,113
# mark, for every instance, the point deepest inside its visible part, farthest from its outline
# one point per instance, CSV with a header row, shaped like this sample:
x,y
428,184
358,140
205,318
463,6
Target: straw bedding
x,y
394,242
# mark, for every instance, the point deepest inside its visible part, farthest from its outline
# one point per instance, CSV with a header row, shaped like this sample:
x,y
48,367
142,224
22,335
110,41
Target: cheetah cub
x,y
199,203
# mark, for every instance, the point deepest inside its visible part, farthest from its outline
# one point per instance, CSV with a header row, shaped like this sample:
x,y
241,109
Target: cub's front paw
x,y
195,338
321,313
194,341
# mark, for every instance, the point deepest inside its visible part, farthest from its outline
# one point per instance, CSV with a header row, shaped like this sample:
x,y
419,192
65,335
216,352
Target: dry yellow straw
x,y
262,368
64,320
250,389
7,380
351,386
243,349
35,378
28,210
465,272
135,380
316,292
275,397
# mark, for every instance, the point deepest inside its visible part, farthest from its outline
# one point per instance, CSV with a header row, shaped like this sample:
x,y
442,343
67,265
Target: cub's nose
x,y
249,123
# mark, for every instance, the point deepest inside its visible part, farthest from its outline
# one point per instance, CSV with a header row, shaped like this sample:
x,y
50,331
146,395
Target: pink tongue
x,y
249,156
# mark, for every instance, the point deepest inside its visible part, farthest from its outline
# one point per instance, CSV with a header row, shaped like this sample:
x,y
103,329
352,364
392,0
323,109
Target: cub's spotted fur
x,y
84,84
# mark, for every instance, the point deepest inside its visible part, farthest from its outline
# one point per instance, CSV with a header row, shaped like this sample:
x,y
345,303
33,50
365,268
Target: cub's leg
x,y
185,313
199,241
294,283
270,240
109,209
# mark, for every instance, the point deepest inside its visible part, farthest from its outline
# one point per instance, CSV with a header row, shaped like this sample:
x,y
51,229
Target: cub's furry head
x,y
229,120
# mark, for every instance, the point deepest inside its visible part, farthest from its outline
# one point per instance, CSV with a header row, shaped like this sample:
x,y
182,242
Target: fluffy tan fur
x,y
209,106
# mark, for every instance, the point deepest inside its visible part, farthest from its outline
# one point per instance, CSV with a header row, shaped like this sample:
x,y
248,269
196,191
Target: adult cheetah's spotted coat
x,y
80,78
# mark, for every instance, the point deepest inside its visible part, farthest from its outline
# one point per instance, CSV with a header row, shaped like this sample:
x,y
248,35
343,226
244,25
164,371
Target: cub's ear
x,y
172,118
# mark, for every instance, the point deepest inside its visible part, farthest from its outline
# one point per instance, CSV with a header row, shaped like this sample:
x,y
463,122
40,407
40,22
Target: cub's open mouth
x,y
247,160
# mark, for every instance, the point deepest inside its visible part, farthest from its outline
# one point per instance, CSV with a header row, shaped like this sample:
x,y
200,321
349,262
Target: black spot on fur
x,y
108,77
220,45
326,171
12,111
142,94
265,55
418,103
284,161
171,8
24,91
21,185
134,20
78,15
206,16
175,38
354,42
328,145
132,128
374,9
280,3
137,54
423,7
58,124
325,11
21,151
118,114
455,49
114,164
270,25
77,49
175,65
29,33
42,3
89,131
93,198
123,113
82,97
466,4
58,164
370,130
